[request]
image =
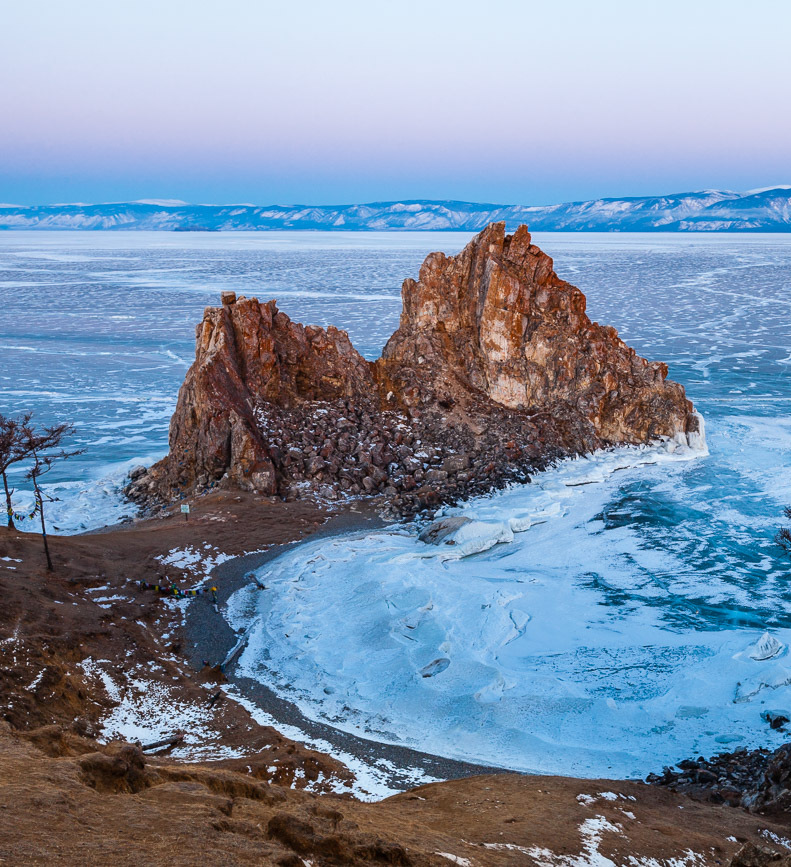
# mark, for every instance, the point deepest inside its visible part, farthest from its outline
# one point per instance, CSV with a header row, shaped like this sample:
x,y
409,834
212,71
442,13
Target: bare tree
x,y
43,448
12,451
783,538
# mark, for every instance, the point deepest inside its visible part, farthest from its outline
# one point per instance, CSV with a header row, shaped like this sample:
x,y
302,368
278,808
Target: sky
x,y
341,101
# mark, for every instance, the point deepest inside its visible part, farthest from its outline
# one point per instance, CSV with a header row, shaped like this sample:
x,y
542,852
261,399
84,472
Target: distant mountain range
x,y
765,210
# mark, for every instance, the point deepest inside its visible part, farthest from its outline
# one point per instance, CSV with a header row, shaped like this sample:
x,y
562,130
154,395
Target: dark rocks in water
x,y
494,372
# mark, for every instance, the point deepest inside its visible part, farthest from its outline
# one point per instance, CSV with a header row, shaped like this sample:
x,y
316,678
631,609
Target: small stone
x,y
776,718
315,465
437,532
435,667
455,463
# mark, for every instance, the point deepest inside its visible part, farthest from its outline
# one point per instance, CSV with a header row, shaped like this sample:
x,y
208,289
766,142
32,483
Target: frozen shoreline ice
x,y
544,671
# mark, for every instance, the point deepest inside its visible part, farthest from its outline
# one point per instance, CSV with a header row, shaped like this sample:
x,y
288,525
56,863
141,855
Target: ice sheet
x,y
588,640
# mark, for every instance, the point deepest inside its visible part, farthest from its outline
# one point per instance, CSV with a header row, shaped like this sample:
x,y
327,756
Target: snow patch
x,y
373,780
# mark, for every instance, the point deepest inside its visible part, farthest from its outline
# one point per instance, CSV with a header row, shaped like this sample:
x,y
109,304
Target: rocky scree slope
x,y
494,371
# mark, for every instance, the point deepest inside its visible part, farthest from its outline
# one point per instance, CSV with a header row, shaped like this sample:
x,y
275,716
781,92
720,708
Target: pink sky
x,y
324,102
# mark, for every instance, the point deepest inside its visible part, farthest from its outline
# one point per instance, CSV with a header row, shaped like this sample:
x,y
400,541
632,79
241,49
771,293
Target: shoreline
x,y
210,639
95,664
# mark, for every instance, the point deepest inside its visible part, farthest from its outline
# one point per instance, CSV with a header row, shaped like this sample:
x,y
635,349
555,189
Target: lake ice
x,y
615,631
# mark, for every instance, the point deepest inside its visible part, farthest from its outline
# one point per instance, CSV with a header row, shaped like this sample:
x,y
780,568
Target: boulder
x,y
440,531
776,718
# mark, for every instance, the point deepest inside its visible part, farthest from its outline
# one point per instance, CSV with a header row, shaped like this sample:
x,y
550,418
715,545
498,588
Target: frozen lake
x,y
610,636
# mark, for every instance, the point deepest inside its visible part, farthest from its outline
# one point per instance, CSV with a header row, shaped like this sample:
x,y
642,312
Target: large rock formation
x,y
494,370
496,320
251,357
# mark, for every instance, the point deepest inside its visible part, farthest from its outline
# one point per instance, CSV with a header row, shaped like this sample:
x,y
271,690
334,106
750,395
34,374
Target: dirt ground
x,y
86,647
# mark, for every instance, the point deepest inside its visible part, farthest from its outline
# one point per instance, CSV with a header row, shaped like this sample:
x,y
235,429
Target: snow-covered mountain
x,y
765,210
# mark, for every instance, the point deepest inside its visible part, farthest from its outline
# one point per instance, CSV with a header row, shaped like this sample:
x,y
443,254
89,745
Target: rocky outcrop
x,y
496,321
494,371
250,359
758,780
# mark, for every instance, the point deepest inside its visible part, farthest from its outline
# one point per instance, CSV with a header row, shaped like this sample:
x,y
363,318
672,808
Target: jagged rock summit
x,y
495,370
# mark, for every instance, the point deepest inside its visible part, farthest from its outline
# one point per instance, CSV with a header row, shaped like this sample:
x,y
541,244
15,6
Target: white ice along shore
x,y
536,641
79,506
548,639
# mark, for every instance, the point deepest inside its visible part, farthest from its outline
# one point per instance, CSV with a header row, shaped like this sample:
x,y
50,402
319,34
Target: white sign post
x,y
185,509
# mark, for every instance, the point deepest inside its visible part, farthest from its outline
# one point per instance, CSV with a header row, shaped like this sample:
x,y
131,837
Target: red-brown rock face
x,y
250,355
497,320
494,370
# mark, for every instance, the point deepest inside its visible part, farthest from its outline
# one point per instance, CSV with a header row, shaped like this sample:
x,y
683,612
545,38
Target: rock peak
x,y
495,321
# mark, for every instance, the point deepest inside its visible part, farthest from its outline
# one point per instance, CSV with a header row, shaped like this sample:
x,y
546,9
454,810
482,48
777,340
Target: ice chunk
x,y
767,647
459,536
442,531
472,537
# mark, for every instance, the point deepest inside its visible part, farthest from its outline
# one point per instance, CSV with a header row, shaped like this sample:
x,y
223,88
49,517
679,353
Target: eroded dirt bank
x,y
86,653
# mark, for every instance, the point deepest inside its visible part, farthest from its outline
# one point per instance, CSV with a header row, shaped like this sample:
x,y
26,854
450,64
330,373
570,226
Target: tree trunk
x,y
9,507
40,502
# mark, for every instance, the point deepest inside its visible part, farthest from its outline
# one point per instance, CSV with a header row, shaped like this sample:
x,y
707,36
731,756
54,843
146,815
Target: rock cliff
x,y
494,371
497,321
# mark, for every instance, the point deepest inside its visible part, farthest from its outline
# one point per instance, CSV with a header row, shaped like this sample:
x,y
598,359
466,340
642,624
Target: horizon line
x,y
178,203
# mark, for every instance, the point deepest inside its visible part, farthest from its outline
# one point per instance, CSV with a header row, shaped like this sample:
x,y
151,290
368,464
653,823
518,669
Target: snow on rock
x,y
146,711
776,838
442,531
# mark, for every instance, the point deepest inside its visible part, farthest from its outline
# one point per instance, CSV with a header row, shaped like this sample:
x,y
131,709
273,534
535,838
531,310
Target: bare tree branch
x,y
43,448
12,451
783,537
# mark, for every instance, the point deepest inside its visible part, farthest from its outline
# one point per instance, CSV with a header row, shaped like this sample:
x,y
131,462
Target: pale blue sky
x,y
332,102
